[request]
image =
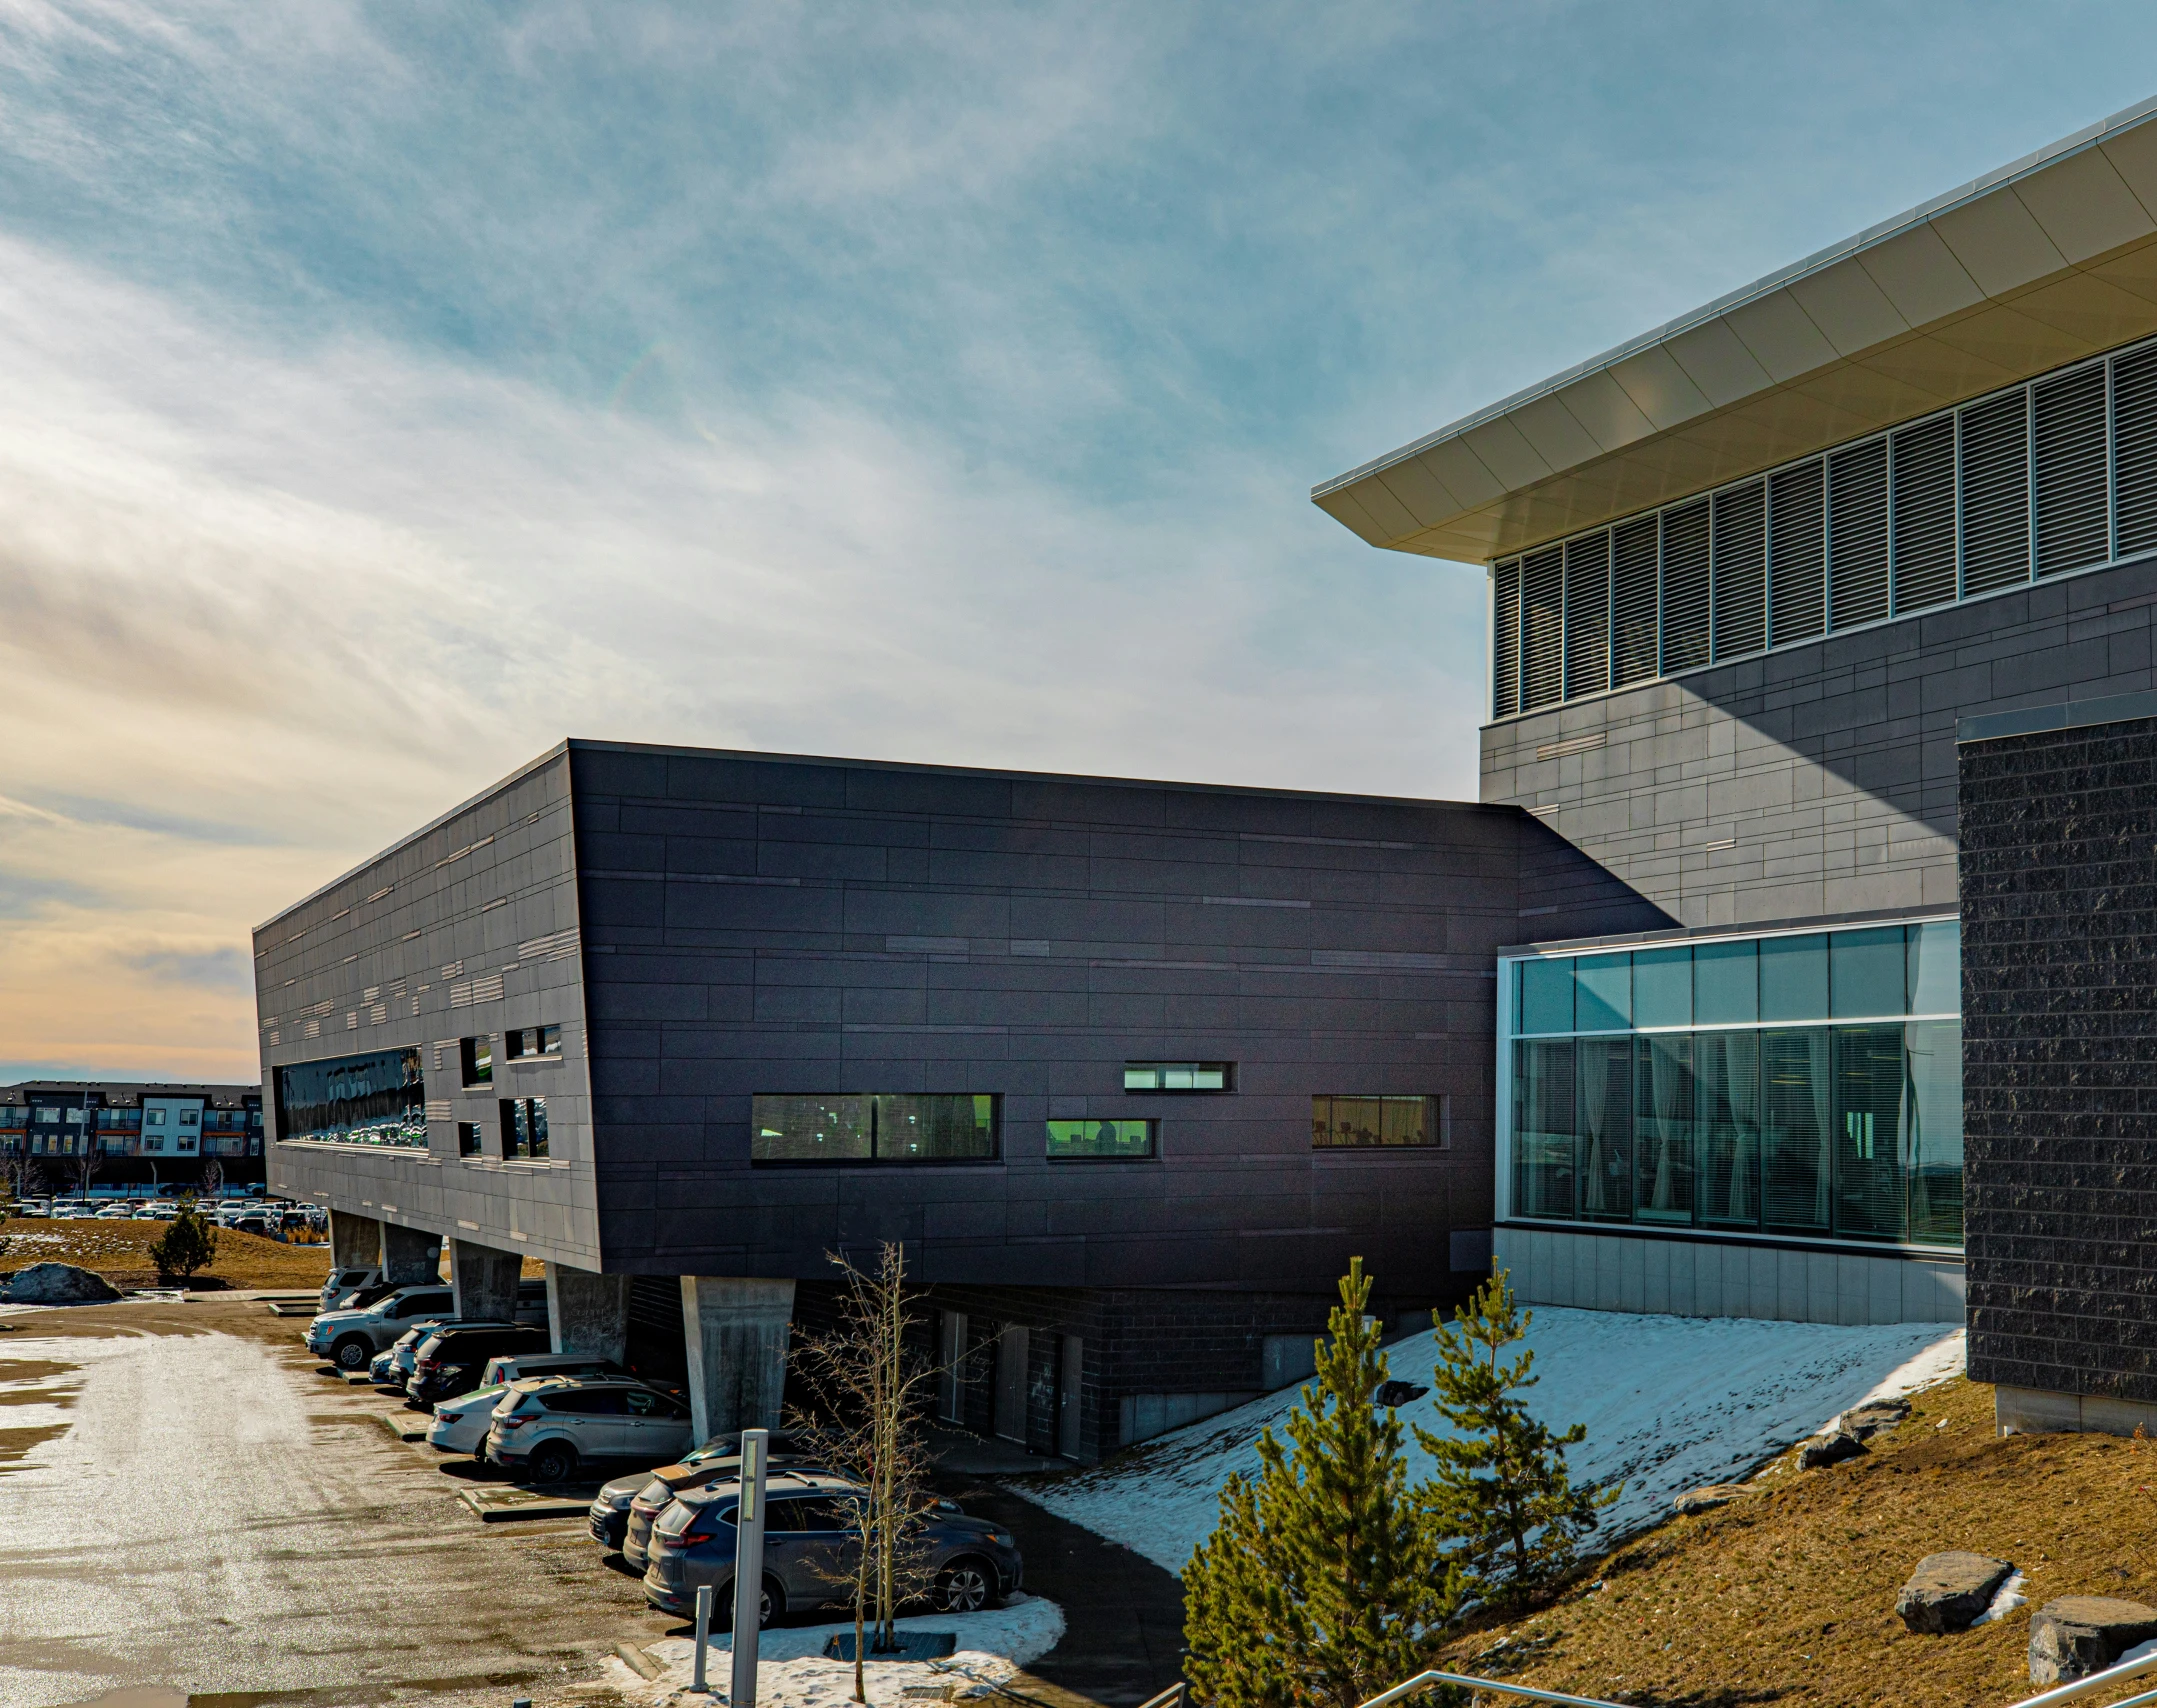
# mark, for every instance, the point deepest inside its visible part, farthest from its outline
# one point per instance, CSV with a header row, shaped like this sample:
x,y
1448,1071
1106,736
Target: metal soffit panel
x,y
2042,262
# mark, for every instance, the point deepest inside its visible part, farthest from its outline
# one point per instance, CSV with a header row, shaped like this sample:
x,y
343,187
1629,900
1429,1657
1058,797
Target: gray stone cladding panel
x,y
2059,927
784,926
1820,779
466,929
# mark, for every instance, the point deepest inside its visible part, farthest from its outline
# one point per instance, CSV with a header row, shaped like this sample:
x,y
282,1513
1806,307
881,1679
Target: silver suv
x,y
350,1339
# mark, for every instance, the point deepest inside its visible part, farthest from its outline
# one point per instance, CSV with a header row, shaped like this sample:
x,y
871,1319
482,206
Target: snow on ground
x,y
1670,1403
791,1670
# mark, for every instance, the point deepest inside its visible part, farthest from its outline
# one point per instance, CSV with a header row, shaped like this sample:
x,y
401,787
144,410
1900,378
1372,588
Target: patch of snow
x,y
2008,1597
1669,1402
792,1672
1941,1362
2140,1652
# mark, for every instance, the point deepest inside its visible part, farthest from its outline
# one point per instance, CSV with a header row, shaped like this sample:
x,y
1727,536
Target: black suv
x,y
451,1361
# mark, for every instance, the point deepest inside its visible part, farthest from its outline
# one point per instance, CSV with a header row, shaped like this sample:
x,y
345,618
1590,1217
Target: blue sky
x,y
396,389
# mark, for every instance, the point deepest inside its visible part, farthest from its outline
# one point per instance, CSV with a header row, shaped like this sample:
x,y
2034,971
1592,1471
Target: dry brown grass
x,y
120,1251
1788,1595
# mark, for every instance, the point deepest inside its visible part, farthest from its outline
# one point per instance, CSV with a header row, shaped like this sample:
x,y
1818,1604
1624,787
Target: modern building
x,y
1794,963
143,1136
1822,619
1131,1070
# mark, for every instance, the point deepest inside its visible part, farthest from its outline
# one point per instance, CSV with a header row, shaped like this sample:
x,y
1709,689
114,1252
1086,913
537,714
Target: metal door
x,y
950,1377
1011,1358
1071,1368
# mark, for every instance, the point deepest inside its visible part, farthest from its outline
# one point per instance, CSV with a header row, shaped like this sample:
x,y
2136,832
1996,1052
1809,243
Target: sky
x,y
389,391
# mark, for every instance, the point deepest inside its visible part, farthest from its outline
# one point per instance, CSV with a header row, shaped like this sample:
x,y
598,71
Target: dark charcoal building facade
x,y
1129,1069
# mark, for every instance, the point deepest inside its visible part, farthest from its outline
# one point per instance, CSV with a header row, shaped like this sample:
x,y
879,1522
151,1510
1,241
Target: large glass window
x,y
376,1099
1359,1123
1806,1084
874,1127
1072,1140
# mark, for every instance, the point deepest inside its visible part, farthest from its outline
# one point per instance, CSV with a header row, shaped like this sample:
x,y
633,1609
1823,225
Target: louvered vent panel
x,y
1741,570
2072,527
1857,535
1505,640
1587,615
1633,554
1797,544
2134,438
1685,587
1922,468
1996,493
1542,645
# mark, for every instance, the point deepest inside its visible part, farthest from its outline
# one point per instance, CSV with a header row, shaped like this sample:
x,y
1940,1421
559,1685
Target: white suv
x,y
549,1425
350,1339
461,1424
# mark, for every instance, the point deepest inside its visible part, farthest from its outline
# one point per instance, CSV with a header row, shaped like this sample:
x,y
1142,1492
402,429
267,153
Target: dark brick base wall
x,y
2058,835
1136,1341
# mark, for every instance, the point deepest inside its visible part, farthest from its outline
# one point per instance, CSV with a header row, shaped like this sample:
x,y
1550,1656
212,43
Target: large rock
x,y
2080,1634
58,1284
1948,1591
1708,1497
1868,1420
1830,1449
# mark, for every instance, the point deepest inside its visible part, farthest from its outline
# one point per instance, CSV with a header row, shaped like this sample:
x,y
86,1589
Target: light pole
x,y
748,1567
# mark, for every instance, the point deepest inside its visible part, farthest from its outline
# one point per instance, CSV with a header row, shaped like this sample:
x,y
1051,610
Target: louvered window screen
x,y
2134,433
1797,553
1542,628
1996,493
2043,478
1921,471
1633,600
1857,535
2073,529
1505,640
1685,587
1587,615
1741,570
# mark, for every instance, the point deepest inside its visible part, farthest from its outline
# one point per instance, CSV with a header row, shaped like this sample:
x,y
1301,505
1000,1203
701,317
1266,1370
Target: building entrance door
x,y
1011,1358
951,1371
1071,1364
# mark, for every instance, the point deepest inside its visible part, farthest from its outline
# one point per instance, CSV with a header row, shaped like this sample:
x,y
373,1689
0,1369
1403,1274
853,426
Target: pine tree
x,y
189,1244
1323,1583
1504,1495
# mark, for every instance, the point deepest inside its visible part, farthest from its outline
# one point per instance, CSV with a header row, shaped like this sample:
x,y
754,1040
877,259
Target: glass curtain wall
x,y
1807,1085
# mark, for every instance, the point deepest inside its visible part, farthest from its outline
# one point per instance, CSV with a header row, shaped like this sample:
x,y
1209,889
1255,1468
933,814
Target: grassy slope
x,y
119,1251
1789,1595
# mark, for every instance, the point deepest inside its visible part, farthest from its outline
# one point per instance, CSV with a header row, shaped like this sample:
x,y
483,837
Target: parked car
x,y
393,1369
452,1360
549,1426
610,1511
715,1463
461,1424
33,1209
157,1210
343,1283
811,1545
351,1338
114,1213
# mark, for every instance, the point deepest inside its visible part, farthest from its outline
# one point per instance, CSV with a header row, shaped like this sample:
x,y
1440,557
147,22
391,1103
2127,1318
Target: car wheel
x,y
352,1353
965,1586
553,1462
769,1605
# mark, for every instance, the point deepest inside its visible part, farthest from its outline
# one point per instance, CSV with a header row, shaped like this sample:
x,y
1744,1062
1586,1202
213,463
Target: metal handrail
x,y
2097,1684
1172,1697
1424,1680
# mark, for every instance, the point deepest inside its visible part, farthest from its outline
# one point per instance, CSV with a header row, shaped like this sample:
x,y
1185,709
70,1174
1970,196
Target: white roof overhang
x,y
2038,264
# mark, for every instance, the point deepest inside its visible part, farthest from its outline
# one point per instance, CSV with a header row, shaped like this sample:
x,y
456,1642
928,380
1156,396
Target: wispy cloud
x,y
393,390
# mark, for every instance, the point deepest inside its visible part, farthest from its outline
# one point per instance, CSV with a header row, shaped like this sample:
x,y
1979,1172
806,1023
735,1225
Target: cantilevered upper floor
x,y
2030,268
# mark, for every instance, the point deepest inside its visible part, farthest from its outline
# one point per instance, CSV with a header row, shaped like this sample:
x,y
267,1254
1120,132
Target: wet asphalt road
x,y
196,1509
195,1514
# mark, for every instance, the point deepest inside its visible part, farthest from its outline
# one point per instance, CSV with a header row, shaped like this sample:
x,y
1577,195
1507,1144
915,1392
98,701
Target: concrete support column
x,y
485,1281
355,1241
588,1313
409,1255
737,1336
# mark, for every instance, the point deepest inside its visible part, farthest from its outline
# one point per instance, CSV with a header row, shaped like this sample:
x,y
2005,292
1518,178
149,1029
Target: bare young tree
x,y
868,1390
86,1164
213,1178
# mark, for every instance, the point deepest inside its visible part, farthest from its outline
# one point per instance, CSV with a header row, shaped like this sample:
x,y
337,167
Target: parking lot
x,y
195,1506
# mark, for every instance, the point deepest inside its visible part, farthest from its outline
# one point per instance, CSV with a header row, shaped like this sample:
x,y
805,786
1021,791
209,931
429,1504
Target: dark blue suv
x,y
811,1546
